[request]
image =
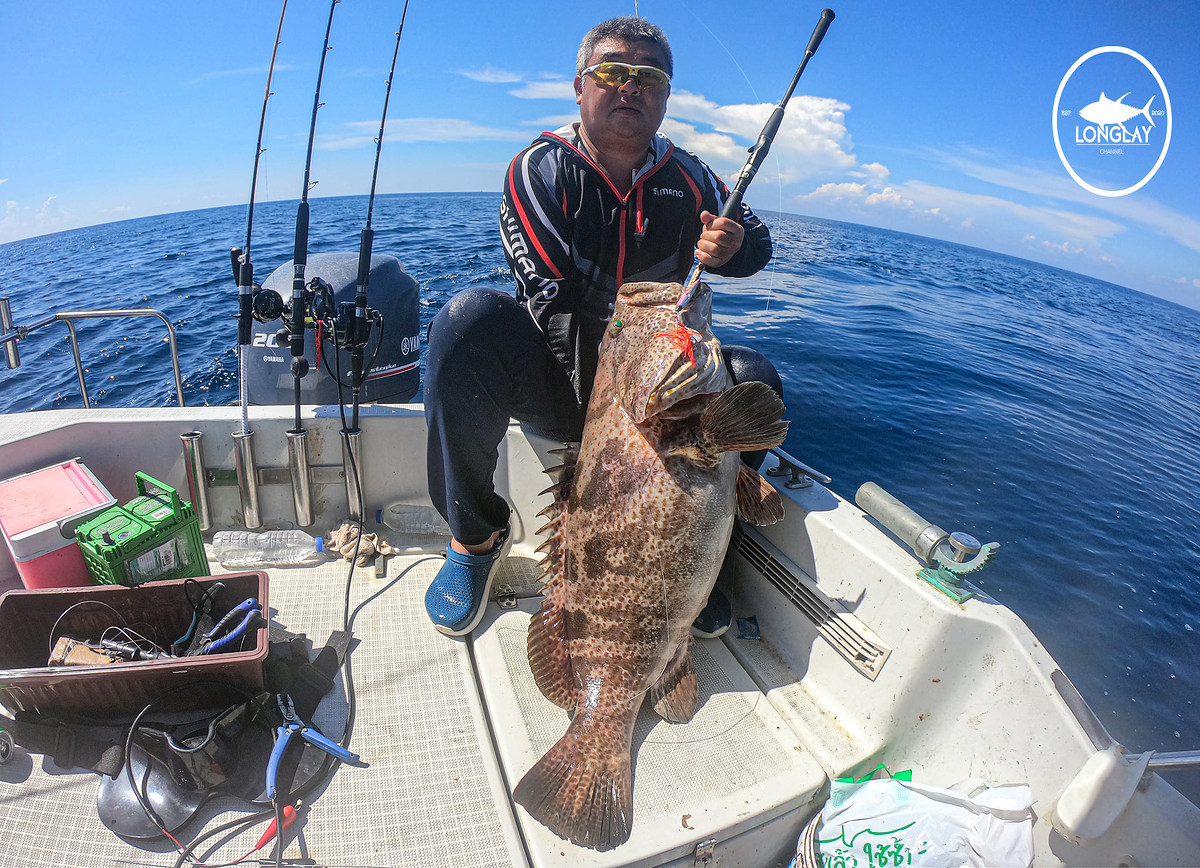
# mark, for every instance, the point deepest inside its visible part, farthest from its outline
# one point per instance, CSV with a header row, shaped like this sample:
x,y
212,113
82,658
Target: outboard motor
x,y
392,354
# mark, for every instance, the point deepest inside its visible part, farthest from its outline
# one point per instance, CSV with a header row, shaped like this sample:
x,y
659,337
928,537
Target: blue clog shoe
x,y
458,594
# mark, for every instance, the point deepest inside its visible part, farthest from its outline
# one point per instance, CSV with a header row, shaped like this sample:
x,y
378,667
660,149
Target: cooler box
x,y
31,621
39,512
155,536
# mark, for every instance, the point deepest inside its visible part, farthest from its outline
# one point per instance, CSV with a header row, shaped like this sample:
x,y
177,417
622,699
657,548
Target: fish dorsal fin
x,y
1121,99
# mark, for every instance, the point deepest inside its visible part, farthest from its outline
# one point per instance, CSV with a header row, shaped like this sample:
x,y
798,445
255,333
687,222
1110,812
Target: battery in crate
x,y
153,537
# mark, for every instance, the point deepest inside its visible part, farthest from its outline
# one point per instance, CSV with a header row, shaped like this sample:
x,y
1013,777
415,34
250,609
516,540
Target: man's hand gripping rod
x,y
758,153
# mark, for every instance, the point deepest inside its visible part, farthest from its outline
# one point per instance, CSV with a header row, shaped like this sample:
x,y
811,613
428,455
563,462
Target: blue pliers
x,y
229,629
292,725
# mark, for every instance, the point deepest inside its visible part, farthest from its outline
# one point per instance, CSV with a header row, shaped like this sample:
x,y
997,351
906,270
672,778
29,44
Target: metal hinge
x,y
704,853
506,597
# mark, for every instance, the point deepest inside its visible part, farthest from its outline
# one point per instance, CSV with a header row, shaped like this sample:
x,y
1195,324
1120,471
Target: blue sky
x,y
934,118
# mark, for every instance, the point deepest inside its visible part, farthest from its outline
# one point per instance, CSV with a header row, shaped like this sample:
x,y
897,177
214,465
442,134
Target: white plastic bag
x,y
891,822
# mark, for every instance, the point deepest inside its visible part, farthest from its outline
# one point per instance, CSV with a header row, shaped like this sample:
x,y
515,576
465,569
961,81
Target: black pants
x,y
488,362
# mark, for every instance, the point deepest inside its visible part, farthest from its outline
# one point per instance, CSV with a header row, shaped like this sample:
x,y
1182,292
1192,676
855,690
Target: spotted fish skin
x,y
637,534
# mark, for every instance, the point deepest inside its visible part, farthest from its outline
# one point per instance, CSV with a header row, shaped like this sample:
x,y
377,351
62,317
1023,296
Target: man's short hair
x,y
626,28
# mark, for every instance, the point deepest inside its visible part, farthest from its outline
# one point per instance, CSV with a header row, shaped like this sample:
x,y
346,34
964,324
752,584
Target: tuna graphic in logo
x,y
1112,147
1105,111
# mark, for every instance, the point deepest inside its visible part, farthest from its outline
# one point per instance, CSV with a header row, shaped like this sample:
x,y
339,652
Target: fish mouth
x,y
683,365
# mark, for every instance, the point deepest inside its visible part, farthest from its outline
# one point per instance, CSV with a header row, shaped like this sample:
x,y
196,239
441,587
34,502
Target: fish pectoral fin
x,y
582,789
549,657
747,417
757,500
674,694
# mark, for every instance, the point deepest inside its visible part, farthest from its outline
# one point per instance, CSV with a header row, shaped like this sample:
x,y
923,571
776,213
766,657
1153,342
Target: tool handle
x,y
283,737
317,739
235,634
240,610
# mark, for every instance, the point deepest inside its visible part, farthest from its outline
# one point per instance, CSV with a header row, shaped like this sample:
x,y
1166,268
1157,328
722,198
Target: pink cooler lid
x,y
39,511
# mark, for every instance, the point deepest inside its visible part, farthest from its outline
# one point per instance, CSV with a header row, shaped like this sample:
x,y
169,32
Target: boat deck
x,y
435,791
860,662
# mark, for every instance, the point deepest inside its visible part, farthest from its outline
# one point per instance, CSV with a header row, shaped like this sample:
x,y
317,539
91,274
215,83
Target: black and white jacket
x,y
571,239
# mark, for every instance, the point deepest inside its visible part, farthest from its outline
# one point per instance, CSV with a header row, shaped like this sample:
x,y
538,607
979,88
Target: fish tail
x,y
1146,109
581,790
745,418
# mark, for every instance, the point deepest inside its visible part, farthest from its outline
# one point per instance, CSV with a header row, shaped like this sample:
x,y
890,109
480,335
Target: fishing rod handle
x,y
758,154
827,16
365,243
300,248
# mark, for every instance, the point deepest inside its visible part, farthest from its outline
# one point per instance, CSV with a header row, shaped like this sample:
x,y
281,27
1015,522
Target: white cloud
x,y
233,73
877,173
989,221
545,90
490,75
998,170
21,221
424,130
812,141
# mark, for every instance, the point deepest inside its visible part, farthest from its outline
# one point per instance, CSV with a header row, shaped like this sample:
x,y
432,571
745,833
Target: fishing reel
x,y
350,330
348,325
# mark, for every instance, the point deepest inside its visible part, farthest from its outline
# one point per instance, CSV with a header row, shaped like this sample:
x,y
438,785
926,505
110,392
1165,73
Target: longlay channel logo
x,y
1112,146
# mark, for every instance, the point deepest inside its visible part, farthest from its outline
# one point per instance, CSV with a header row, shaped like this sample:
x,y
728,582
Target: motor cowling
x,y
391,356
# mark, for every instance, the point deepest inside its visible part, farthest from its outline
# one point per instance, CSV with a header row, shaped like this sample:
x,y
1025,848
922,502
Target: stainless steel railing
x,y
13,334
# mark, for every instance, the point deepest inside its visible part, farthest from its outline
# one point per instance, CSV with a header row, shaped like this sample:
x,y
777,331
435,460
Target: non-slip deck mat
x,y
429,796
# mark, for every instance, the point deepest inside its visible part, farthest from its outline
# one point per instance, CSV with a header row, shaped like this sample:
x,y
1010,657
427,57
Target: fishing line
x,y
242,266
300,251
361,327
758,153
732,58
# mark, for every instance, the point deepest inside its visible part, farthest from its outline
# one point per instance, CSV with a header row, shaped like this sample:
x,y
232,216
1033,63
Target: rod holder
x,y
297,441
247,476
11,355
197,477
921,536
352,462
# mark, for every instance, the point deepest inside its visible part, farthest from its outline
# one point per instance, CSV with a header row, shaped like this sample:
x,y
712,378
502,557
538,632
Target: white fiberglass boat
x,y
850,652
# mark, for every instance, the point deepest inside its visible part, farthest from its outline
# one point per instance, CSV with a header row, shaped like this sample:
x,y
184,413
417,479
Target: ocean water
x,y
1054,413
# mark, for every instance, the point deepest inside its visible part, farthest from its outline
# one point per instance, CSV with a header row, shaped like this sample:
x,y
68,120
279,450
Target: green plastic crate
x,y
155,536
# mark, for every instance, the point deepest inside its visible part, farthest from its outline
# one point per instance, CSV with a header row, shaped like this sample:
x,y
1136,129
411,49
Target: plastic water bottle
x,y
413,519
275,548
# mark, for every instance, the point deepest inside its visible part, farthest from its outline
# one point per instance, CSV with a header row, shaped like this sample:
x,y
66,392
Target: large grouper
x,y
638,530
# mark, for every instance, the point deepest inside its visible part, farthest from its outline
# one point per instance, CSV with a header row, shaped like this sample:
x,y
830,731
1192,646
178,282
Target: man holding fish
x,y
587,208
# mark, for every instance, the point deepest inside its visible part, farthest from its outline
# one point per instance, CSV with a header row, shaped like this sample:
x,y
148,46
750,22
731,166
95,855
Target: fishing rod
x,y
299,313
361,329
243,268
758,153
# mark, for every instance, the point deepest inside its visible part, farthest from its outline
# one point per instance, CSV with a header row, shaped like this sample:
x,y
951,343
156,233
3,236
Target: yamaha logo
x,y
1112,121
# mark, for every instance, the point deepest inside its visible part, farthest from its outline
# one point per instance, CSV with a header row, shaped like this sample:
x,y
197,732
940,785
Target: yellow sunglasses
x,y
615,74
